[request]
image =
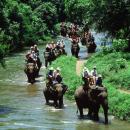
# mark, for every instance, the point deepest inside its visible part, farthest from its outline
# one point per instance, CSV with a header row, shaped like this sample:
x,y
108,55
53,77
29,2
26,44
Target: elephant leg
x,y
96,110
81,112
47,101
89,113
61,102
105,108
55,103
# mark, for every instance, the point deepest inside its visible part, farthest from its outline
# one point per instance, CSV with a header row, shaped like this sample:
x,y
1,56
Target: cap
x,y
51,68
100,76
58,68
31,47
94,67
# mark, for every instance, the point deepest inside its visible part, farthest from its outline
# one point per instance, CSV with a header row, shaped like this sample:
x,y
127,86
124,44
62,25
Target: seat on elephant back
x,y
98,92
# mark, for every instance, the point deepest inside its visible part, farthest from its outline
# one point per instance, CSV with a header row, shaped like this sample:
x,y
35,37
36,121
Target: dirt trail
x,y
124,91
79,66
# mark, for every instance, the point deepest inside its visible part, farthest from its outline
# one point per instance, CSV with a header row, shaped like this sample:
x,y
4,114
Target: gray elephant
x,y
30,70
92,98
55,93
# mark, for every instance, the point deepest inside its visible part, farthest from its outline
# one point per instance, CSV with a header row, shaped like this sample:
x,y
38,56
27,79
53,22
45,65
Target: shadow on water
x,y
32,89
87,118
5,110
3,63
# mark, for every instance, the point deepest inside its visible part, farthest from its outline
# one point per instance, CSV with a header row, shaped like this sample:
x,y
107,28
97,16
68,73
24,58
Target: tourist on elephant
x,y
36,50
34,56
94,71
30,58
94,74
62,44
85,73
31,49
99,81
50,73
57,76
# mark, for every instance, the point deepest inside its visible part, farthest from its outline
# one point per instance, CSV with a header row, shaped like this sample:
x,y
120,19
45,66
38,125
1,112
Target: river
x,y
22,105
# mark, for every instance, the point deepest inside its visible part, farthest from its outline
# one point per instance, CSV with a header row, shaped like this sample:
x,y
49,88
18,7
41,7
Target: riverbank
x,y
114,68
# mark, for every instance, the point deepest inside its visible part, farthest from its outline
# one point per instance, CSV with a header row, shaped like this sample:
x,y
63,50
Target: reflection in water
x,y
2,63
32,89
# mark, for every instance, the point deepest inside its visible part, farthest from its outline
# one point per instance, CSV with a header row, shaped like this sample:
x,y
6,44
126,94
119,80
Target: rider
x,y
99,81
94,73
85,73
49,77
57,76
36,50
50,73
31,49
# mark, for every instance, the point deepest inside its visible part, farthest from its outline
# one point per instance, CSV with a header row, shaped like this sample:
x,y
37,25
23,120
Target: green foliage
x,y
76,10
47,12
120,44
26,22
4,50
68,71
118,102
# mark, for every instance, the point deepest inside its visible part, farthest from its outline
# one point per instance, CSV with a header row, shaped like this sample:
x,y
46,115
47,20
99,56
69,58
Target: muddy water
x,y
22,105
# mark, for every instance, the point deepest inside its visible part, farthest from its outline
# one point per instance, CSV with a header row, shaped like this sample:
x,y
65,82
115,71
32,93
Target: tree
x,y
76,10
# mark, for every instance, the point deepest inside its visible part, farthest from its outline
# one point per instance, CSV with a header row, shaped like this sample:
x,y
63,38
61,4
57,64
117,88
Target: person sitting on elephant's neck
x,y
36,50
47,52
50,75
31,49
85,74
57,76
50,72
94,71
99,81
34,56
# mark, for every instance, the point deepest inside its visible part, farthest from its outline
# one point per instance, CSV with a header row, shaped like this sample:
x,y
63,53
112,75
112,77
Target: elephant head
x,y
55,93
30,71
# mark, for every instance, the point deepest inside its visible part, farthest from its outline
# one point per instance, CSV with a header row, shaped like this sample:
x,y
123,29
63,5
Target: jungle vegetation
x,y
26,22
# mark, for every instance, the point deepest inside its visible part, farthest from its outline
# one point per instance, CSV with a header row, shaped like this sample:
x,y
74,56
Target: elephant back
x,y
53,92
99,93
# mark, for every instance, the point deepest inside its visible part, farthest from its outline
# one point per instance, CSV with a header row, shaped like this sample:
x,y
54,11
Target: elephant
x,y
39,64
55,93
91,47
83,41
64,31
75,50
31,71
92,98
